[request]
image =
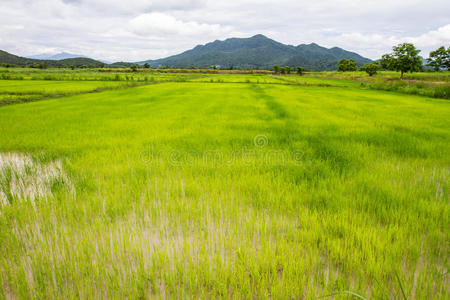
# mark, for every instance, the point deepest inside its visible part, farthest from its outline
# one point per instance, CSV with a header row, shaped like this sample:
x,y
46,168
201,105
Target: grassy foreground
x,y
245,189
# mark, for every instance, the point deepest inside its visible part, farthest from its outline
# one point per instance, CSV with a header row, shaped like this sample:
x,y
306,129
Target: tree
x,y
287,69
371,69
447,60
439,59
283,70
345,65
300,71
405,58
276,69
386,62
146,65
134,68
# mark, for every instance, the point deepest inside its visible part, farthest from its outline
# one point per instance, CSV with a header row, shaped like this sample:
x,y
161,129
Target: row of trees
x,y
287,70
350,65
404,58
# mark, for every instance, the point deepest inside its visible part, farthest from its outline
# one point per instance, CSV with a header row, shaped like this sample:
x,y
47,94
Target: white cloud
x,y
433,38
374,45
158,24
122,7
149,29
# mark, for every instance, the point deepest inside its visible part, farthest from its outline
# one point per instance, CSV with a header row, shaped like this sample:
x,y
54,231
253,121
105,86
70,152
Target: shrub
x,y
371,69
276,69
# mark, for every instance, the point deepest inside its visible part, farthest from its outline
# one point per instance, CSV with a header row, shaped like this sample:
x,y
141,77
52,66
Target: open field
x,y
12,91
61,74
221,186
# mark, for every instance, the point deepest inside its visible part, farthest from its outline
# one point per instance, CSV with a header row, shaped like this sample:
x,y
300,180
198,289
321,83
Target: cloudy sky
x,y
133,30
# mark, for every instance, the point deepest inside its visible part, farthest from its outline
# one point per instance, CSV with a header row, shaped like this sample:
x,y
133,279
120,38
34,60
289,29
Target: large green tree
x,y
439,59
404,58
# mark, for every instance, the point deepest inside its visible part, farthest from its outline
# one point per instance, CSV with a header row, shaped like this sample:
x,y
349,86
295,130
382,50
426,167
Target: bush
x,y
276,69
371,69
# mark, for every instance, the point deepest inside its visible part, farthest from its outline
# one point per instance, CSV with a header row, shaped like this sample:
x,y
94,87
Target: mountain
x,y
8,58
58,56
254,52
259,52
62,55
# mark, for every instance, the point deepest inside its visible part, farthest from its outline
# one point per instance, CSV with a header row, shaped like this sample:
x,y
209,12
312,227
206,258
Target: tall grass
x,y
433,84
435,91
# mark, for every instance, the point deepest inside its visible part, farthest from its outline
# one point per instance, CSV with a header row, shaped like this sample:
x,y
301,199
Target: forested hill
x,y
259,52
8,58
252,53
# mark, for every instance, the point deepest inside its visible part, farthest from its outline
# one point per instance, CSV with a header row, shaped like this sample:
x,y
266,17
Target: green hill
x,y
259,52
8,58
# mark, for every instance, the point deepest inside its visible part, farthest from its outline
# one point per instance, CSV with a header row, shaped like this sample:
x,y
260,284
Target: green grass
x,y
60,74
243,189
13,91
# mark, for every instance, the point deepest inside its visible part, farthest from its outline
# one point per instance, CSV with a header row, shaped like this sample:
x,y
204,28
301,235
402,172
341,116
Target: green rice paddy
x,y
225,186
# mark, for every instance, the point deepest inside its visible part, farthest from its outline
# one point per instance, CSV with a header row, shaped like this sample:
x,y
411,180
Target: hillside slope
x,y
8,58
259,52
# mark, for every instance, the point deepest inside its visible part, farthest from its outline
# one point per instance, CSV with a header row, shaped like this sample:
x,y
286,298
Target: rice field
x,y
205,186
16,91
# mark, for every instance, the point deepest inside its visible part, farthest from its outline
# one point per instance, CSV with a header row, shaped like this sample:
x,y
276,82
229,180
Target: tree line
x,y
287,70
404,58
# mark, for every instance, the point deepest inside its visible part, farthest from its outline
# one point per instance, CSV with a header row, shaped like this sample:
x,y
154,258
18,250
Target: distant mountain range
x,y
259,52
58,56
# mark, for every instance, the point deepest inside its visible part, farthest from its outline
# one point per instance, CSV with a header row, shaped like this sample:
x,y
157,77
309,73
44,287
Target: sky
x,y
136,30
